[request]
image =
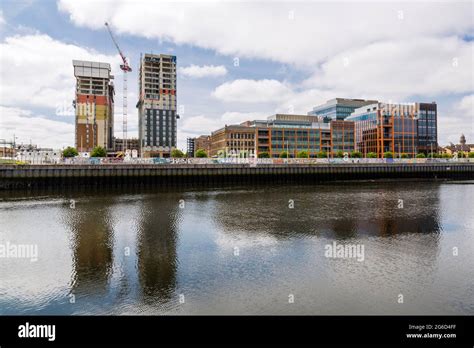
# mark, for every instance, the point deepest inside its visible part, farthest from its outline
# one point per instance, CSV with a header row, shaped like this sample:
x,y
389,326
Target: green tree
x,y
388,154
70,152
263,155
356,154
98,151
177,153
339,154
446,155
201,153
405,155
303,154
421,155
371,155
322,154
461,154
284,154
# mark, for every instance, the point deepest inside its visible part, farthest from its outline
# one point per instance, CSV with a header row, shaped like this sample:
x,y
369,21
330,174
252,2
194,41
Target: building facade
x,y
339,108
202,142
157,108
190,148
132,144
94,105
395,128
427,127
285,135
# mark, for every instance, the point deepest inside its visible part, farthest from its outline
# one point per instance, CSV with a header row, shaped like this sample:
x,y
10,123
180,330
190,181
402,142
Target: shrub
x,y
339,154
201,153
98,151
177,153
446,155
302,154
322,154
371,155
404,155
388,154
284,154
470,155
356,154
70,152
263,155
421,155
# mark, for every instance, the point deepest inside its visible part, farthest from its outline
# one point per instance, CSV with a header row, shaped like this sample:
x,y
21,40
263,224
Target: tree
x,y
177,153
433,155
263,155
201,153
302,154
70,152
371,155
421,155
404,155
447,155
284,154
98,151
356,154
322,154
470,155
388,154
461,154
339,154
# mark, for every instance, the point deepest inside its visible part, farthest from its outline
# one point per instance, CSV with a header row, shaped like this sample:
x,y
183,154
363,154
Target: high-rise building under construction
x,y
94,104
157,114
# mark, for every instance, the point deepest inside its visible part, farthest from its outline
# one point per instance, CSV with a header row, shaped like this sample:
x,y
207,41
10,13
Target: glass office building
x,y
339,108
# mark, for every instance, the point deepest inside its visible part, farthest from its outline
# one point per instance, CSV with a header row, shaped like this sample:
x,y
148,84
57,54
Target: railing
x,y
250,161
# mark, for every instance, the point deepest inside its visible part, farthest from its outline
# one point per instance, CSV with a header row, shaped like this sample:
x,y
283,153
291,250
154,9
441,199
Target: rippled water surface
x,y
241,250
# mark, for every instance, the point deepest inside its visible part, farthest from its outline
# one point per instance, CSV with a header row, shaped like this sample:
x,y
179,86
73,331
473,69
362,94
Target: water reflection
x,y
92,242
408,232
157,239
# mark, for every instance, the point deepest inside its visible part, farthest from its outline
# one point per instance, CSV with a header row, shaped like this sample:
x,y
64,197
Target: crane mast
x,y
125,67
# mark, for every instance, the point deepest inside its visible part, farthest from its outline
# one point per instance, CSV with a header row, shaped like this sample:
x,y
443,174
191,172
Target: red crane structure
x,y
126,69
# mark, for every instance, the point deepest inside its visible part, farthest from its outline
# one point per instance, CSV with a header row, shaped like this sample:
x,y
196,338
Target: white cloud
x,y
195,71
397,69
25,125
457,119
37,70
316,30
252,91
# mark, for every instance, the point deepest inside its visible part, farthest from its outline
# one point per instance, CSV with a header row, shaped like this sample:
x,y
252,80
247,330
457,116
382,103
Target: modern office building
x,y
190,148
157,113
397,128
94,105
339,108
427,127
283,133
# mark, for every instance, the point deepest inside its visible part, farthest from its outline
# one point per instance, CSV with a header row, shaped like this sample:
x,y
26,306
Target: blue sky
x,y
292,56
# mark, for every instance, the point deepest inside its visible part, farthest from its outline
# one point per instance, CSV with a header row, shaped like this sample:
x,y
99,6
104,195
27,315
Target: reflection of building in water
x,y
92,245
157,239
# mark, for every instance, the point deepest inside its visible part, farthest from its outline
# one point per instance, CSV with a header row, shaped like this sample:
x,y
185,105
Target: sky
x,y
237,60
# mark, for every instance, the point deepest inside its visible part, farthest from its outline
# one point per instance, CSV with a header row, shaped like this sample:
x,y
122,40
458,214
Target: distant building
x,y
284,133
36,155
94,105
462,146
339,108
190,148
157,113
397,128
132,144
202,142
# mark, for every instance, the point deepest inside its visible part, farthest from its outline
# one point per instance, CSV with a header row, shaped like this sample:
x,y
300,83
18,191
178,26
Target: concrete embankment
x,y
44,176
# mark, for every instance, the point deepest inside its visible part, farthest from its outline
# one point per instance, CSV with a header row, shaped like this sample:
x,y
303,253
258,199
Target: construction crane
x,y
126,69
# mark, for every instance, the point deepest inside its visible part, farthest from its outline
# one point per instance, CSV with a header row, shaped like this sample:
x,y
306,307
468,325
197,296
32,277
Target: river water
x,y
241,250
